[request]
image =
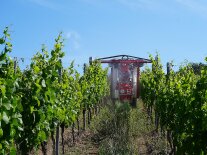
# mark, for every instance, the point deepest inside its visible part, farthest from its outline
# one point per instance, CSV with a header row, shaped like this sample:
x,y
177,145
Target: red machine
x,y
125,72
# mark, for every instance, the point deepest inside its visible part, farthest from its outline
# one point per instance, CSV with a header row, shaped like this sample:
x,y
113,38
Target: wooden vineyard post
x,y
89,108
84,108
169,133
53,142
62,136
15,65
57,129
57,141
156,113
84,119
78,125
89,116
73,133
168,72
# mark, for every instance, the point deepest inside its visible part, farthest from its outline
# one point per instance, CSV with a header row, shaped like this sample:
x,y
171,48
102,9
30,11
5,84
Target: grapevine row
x,y
35,102
179,101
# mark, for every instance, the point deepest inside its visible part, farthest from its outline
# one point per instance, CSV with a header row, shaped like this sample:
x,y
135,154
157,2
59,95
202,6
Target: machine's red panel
x,y
125,88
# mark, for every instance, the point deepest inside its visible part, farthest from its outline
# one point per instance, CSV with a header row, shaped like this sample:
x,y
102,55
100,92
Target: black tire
x,y
134,103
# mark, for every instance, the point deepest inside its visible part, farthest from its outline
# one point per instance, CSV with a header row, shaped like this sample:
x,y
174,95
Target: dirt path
x,y
99,136
83,144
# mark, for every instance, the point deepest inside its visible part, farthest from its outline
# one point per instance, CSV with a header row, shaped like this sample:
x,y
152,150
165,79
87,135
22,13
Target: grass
x,y
118,129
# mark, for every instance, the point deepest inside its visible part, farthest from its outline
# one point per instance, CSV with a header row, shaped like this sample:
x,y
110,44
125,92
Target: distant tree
x,y
197,67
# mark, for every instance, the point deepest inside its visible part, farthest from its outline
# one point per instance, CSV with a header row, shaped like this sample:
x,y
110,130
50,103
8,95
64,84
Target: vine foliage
x,y
46,95
179,100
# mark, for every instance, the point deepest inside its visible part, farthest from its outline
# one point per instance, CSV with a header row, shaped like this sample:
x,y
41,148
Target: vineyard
x,y
40,102
37,102
177,102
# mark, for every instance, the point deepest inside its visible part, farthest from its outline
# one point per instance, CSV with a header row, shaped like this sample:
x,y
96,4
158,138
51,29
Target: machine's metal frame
x,y
123,64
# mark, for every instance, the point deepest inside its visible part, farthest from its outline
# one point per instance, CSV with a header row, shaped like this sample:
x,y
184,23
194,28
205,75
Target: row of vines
x,y
177,102
36,102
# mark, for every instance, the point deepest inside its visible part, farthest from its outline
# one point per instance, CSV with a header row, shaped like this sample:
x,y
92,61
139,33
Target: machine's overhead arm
x,y
124,59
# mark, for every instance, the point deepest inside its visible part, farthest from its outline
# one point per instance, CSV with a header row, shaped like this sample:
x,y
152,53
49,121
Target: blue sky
x,y
177,29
